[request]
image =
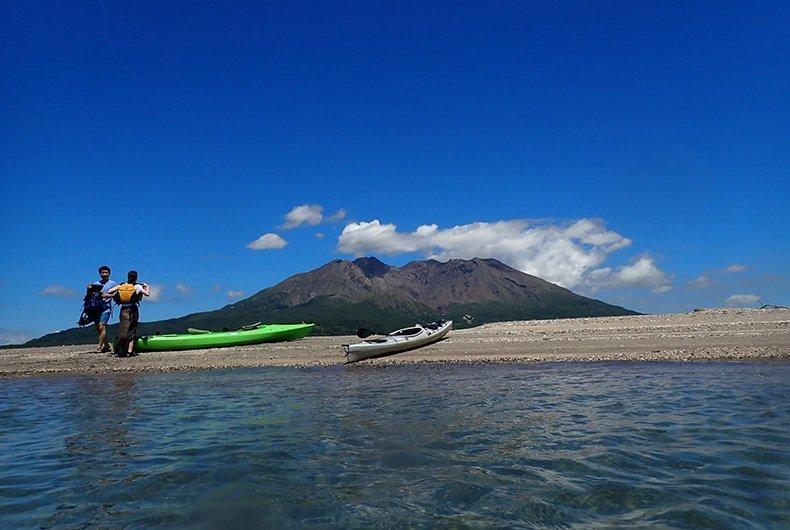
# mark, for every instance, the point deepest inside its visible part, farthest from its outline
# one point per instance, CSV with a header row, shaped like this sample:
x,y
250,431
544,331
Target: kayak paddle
x,y
365,332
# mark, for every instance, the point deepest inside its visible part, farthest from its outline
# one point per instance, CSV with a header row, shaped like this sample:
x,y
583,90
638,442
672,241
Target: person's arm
x,y
145,290
110,292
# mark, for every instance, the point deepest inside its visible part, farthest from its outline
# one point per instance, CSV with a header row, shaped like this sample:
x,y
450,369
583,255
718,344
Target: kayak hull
x,y
396,342
223,339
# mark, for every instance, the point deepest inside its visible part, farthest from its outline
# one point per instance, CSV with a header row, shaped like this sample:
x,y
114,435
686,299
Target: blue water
x,y
684,445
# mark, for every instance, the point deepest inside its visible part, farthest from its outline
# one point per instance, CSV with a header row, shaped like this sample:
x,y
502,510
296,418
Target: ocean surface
x,y
590,445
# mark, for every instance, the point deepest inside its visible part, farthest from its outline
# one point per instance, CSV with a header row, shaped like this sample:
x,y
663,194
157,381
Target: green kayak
x,y
198,339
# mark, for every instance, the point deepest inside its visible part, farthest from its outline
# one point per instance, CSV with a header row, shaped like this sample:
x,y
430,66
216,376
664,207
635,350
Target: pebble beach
x,y
701,335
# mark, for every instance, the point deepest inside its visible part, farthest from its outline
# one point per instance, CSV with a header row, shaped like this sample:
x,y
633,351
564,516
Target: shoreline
x,y
707,335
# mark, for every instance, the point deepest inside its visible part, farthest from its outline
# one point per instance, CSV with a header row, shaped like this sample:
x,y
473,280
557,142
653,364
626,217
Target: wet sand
x,y
716,334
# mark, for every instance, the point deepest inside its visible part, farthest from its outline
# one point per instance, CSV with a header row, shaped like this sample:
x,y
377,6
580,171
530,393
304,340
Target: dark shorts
x,y
127,328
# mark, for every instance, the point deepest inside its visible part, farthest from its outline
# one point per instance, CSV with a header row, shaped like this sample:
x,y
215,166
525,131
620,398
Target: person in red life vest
x,y
128,296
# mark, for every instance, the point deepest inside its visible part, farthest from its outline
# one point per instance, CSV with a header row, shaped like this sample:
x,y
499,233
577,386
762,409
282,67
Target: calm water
x,y
547,445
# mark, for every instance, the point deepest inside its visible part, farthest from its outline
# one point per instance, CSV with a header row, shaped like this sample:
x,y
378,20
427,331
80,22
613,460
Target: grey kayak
x,y
398,341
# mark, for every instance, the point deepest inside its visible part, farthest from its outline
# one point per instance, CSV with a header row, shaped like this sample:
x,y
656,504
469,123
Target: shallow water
x,y
684,445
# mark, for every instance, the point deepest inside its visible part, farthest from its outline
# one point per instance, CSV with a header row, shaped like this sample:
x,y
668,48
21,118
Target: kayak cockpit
x,y
406,332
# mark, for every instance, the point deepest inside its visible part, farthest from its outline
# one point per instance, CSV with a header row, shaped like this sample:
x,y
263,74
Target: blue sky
x,y
635,152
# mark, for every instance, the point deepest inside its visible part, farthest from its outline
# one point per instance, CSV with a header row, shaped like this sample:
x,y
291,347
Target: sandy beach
x,y
715,334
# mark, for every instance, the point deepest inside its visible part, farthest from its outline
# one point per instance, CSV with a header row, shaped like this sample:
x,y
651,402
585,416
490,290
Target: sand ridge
x,y
714,334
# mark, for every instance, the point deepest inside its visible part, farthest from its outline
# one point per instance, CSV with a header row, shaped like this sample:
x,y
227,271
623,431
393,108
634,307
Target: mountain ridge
x,y
343,295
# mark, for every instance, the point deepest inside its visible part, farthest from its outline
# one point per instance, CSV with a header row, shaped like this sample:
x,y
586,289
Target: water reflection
x,y
635,444
102,412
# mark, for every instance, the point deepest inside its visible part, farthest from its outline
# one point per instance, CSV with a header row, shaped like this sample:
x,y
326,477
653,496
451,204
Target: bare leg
x,y
99,330
103,344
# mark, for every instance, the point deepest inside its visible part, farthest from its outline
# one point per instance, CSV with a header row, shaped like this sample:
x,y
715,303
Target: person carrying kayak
x,y
128,296
104,284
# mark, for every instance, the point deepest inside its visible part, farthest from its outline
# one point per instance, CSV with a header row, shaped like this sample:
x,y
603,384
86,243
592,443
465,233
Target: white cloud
x,y
59,291
319,235
10,336
235,294
155,292
363,237
714,276
268,241
160,293
563,254
306,214
337,216
310,214
701,282
743,299
641,272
